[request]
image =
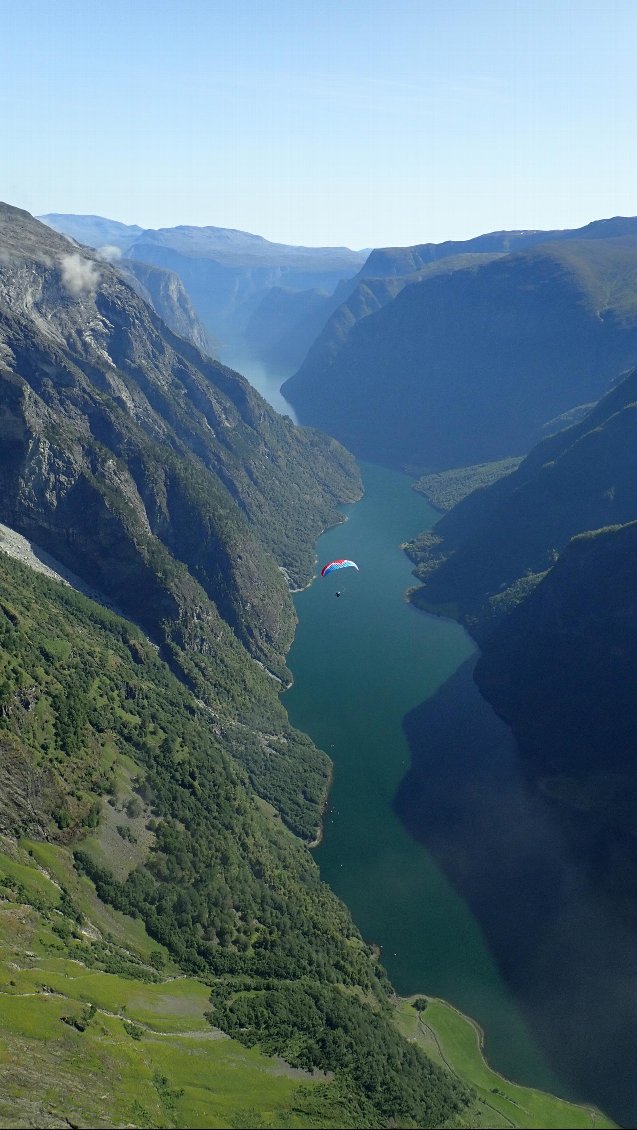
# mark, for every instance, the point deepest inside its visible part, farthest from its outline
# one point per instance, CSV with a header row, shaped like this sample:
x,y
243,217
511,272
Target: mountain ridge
x,y
480,358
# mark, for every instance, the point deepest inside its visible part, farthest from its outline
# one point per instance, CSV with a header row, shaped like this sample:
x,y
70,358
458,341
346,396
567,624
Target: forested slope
x,y
104,751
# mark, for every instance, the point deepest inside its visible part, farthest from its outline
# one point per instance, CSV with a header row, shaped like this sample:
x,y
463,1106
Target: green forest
x,y
93,724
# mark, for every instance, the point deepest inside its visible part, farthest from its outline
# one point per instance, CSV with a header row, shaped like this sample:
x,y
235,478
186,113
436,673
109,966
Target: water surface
x,y
445,855
361,663
260,377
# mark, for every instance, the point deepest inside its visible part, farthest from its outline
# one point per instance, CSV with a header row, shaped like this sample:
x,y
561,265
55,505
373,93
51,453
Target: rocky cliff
x,y
157,475
227,273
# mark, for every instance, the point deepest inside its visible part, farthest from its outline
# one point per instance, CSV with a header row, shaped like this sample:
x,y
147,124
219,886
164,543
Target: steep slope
x,y
83,339
399,266
467,367
163,480
486,551
226,273
561,667
383,275
105,754
369,293
165,292
540,566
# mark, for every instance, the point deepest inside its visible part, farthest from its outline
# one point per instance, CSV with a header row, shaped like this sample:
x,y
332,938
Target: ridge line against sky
x,y
356,123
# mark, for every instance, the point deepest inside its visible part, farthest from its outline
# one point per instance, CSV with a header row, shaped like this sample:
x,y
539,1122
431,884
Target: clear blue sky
x,y
363,123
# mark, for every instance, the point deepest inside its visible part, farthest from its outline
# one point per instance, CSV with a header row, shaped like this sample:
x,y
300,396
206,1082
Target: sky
x,y
358,123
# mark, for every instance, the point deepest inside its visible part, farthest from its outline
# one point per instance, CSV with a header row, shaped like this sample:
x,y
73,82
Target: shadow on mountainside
x,y
566,954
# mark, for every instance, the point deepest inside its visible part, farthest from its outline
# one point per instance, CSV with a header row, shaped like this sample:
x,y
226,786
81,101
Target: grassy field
x,y
143,1053
448,1037
58,864
99,1029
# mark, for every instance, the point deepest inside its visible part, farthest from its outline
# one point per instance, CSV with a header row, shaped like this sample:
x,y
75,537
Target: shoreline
x,y
521,1091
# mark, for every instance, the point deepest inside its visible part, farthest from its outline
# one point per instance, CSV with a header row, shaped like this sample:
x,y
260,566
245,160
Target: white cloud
x,y
110,253
79,276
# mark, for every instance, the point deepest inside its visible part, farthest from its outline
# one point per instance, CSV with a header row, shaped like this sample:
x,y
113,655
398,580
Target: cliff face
x,y
164,480
468,365
165,292
118,435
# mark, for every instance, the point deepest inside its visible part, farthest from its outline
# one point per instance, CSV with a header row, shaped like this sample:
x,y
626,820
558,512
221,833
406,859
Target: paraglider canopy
x,y
341,563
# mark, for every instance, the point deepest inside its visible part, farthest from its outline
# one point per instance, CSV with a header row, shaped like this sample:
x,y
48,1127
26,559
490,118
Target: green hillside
x,y
109,761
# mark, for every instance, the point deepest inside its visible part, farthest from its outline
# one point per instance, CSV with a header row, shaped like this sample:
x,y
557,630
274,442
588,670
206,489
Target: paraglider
x,y
341,563
337,593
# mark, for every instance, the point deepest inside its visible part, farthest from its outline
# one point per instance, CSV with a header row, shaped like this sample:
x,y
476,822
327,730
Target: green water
x,y
360,662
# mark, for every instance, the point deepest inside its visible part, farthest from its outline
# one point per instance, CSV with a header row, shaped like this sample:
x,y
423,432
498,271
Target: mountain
x,y
399,266
561,670
497,541
155,798
561,667
368,293
226,272
388,262
94,231
541,566
468,365
165,292
384,273
161,478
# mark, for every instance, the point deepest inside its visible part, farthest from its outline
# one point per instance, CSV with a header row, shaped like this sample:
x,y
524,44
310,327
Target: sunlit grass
x,y
448,1037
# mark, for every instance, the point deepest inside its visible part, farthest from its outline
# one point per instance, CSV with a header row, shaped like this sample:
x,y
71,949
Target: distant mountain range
x,y
227,273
